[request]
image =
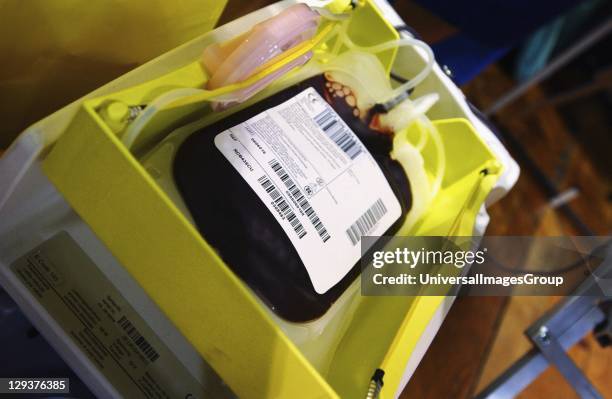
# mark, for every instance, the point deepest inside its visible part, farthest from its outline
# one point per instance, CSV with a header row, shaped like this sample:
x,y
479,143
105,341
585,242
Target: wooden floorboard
x,y
451,366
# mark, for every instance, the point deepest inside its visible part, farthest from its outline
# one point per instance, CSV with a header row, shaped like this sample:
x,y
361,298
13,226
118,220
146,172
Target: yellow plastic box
x,y
111,191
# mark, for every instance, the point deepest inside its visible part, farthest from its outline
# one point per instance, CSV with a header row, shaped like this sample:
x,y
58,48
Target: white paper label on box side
x,y
105,327
317,179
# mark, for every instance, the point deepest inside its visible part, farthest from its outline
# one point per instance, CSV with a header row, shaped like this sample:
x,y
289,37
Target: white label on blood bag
x,y
317,179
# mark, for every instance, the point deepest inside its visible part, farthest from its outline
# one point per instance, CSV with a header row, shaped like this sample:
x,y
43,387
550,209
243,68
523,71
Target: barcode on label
x,y
282,205
138,339
335,129
300,199
364,224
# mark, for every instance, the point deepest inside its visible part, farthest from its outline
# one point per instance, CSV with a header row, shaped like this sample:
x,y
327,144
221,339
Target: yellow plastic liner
x,y
56,51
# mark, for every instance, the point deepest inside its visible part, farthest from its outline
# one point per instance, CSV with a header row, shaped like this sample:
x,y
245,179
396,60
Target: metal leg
x,y
555,354
569,54
522,373
559,329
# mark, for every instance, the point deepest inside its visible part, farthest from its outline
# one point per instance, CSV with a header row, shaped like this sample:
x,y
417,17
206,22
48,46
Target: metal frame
x,y
559,329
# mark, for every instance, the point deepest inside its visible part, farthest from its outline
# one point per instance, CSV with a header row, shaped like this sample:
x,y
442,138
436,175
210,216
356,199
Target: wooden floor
x,y
549,141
